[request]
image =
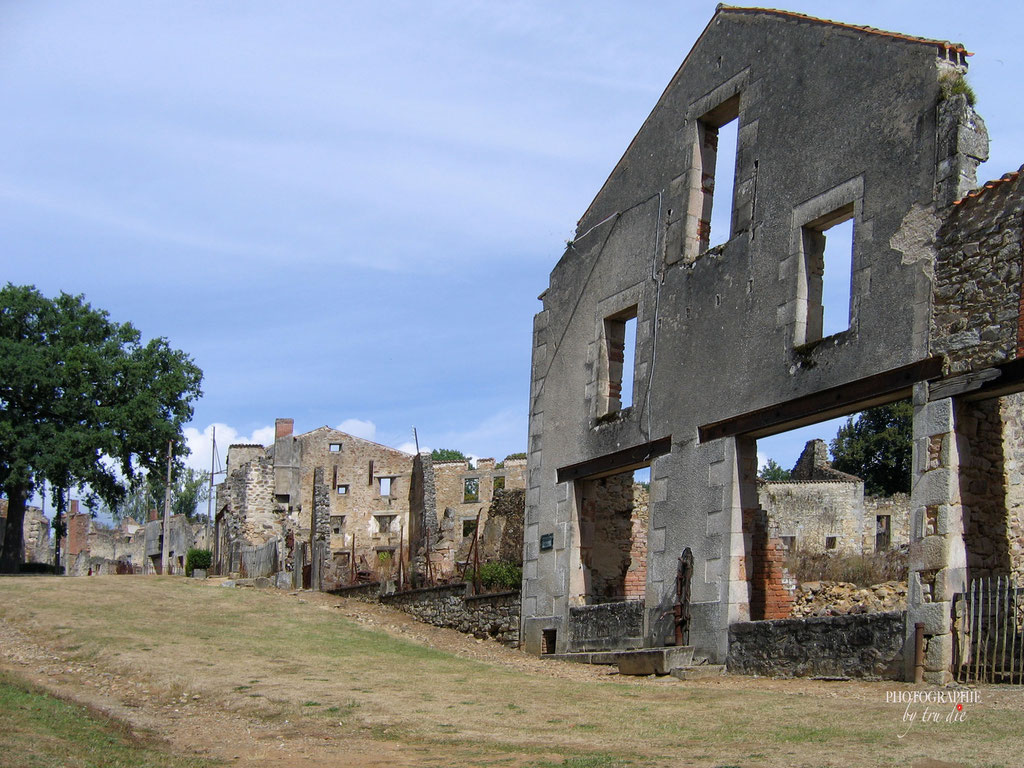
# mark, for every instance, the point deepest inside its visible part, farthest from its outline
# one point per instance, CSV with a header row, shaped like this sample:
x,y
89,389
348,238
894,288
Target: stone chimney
x,y
283,428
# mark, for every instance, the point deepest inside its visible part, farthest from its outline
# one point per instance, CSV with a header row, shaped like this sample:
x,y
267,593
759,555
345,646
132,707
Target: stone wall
x,y
868,646
1013,468
607,627
491,615
456,512
502,536
976,313
897,509
814,514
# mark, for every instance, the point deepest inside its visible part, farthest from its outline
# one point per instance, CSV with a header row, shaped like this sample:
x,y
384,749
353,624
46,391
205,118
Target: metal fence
x,y
989,619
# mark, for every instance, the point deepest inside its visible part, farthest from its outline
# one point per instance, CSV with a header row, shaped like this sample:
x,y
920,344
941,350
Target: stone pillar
x,y
321,532
738,476
938,557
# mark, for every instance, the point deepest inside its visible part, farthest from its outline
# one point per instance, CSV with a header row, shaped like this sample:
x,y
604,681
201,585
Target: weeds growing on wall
x,y
498,576
862,570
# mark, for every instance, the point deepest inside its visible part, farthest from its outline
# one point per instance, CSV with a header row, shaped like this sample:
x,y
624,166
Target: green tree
x,y
773,471
83,402
189,488
448,454
876,446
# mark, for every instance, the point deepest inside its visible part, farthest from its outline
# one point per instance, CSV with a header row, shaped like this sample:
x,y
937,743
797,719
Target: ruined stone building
x,y
820,509
128,548
319,507
35,534
833,124
462,493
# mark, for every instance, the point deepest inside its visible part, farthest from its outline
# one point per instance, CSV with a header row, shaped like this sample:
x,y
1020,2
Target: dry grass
x,y
312,680
862,570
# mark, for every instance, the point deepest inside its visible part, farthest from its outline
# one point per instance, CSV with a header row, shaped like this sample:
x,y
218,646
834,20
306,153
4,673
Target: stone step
x,y
655,661
588,657
698,672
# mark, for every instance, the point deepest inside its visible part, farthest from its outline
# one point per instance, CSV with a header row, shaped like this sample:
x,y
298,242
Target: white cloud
x,y
359,428
410,447
201,443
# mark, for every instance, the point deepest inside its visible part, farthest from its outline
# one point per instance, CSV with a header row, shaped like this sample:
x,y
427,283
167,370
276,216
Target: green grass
x,y
40,731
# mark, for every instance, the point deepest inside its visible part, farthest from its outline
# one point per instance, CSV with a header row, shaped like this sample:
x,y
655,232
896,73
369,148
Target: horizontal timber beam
x,y
828,403
620,461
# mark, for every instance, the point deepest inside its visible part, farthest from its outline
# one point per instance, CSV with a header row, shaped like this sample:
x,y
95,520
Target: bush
x,y
198,558
862,570
498,576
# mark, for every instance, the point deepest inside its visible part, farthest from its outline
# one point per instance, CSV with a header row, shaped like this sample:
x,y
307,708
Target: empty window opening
x,y
499,483
619,360
337,524
335,447
883,535
830,542
828,272
548,638
789,542
342,490
717,136
384,523
468,528
385,486
613,523
342,559
282,498
471,490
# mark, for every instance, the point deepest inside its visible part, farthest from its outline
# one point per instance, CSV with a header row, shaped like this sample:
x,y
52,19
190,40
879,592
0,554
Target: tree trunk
x,y
13,551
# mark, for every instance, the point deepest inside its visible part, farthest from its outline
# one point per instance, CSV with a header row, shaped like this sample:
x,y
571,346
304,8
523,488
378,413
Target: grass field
x,y
257,677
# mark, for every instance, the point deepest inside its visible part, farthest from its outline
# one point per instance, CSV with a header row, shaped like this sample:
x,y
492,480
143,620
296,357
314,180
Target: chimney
x,y
152,515
283,428
74,507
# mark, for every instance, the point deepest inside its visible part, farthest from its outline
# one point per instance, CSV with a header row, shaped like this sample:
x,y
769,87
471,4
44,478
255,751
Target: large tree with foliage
x,y
876,446
448,454
83,402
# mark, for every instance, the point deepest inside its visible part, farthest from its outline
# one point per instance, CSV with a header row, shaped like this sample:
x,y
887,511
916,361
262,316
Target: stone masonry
x,y
834,123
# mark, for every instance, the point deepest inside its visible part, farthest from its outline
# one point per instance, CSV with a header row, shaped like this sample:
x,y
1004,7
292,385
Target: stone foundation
x,y
868,646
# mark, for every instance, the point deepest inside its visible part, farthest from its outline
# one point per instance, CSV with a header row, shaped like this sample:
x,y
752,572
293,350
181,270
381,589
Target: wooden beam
x,y
620,461
997,381
828,403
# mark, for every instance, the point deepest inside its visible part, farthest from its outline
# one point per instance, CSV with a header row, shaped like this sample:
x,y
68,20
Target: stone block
x,y
935,616
655,661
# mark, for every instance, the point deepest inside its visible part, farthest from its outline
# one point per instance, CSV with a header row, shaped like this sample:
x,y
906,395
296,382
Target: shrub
x,y
498,576
197,558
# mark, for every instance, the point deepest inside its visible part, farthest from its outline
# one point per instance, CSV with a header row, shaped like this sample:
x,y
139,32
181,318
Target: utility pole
x,y
209,498
167,512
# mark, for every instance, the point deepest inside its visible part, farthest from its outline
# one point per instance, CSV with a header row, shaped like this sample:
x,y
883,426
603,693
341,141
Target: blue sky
x,y
346,210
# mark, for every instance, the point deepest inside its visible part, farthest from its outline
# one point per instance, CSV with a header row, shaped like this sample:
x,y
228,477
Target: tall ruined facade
x,y
834,123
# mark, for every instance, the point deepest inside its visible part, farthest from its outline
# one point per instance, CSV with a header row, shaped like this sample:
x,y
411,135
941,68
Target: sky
x,y
345,211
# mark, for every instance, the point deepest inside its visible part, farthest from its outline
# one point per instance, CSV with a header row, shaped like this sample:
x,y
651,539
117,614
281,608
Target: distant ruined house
x,y
820,509
318,507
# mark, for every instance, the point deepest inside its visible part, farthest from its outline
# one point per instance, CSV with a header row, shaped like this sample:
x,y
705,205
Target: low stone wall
x,y
368,593
607,627
868,646
490,615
